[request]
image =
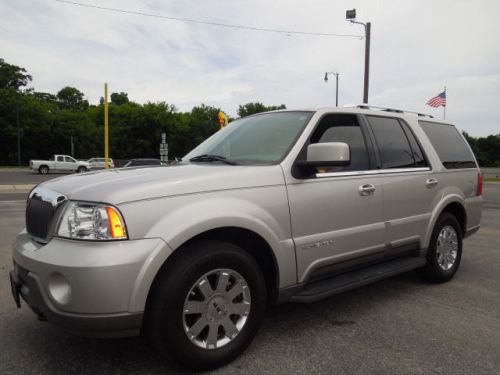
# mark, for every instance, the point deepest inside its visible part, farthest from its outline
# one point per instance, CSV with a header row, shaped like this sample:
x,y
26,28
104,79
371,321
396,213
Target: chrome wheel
x,y
447,247
216,308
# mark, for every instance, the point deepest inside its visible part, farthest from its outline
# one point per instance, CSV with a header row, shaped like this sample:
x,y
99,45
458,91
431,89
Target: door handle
x,y
431,182
366,189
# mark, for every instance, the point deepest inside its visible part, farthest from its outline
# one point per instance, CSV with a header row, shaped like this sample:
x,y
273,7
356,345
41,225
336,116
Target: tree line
x,y
48,123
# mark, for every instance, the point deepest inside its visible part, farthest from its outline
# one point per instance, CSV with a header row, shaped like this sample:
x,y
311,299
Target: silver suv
x,y
275,207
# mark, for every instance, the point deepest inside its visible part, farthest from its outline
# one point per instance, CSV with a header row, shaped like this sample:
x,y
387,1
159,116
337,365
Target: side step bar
x,y
338,284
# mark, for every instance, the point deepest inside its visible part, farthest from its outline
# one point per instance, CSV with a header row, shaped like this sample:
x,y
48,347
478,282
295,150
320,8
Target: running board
x,y
338,284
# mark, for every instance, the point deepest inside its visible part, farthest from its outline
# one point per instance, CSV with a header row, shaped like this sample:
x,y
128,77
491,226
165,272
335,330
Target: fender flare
x,y
438,210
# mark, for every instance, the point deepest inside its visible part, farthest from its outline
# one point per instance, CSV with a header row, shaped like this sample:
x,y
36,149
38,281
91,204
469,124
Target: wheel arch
x,y
455,205
248,240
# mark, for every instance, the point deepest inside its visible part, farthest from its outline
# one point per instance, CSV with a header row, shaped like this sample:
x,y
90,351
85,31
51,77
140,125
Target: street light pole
x,y
368,28
350,16
336,86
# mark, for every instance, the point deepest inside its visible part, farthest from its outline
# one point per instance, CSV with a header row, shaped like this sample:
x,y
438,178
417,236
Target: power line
x,y
201,22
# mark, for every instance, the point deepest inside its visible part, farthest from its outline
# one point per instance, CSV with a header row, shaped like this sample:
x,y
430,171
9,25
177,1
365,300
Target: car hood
x,y
132,184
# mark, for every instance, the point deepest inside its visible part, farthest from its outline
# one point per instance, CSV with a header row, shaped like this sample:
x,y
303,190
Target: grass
x,y
494,179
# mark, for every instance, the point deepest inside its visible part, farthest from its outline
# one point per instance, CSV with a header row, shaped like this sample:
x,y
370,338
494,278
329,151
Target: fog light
x,y
59,288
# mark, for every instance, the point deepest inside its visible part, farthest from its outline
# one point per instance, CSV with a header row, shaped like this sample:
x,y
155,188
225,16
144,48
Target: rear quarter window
x,y
449,145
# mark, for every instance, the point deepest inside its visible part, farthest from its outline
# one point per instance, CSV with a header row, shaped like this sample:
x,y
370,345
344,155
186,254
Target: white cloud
x,y
417,48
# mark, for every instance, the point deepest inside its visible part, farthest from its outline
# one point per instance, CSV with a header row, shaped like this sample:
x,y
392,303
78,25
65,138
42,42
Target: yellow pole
x,y
106,147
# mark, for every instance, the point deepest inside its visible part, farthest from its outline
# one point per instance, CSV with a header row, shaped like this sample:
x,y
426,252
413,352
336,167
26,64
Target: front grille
x,y
39,215
41,211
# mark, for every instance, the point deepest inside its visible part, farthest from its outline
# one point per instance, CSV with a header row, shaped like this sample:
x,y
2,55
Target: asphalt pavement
x,y
397,326
21,176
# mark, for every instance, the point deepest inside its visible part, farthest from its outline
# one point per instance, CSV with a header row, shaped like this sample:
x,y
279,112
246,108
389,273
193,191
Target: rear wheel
x,y
445,250
43,169
206,305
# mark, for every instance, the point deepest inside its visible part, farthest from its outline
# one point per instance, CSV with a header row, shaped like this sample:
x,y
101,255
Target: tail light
x,y
479,190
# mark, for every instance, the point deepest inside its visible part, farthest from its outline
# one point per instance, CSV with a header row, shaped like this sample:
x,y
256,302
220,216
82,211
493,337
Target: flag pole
x,y
444,107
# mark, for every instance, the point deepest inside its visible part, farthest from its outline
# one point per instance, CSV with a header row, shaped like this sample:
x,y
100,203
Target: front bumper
x,y
89,288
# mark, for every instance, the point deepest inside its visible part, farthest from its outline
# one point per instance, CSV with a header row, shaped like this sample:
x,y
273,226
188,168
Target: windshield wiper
x,y
210,158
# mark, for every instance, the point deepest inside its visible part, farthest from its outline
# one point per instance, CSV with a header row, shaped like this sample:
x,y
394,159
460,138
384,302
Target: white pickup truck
x,y
60,163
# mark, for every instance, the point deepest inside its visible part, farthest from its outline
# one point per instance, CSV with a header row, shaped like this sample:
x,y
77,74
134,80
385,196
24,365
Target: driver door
x,y
336,213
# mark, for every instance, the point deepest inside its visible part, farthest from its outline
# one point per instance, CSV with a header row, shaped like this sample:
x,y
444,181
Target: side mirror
x,y
328,154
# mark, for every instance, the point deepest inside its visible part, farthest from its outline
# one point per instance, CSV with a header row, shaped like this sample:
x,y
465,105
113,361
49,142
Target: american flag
x,y
438,101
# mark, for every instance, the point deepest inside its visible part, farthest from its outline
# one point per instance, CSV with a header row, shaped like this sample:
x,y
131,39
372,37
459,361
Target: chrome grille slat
x,y
41,213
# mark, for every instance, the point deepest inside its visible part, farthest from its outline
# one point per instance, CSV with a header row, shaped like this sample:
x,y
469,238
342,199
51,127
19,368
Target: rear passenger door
x,y
409,186
60,164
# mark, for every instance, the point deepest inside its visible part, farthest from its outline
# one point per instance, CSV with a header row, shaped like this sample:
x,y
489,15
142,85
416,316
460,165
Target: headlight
x,y
91,221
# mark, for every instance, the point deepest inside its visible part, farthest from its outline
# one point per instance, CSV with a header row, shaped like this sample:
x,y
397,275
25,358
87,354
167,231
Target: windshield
x,y
259,139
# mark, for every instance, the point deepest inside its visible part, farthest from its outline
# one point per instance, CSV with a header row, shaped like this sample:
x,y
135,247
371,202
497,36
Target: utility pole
x,y
18,132
72,146
350,16
336,86
106,148
368,28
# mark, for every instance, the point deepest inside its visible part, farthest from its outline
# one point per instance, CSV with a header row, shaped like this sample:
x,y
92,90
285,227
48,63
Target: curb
x,y
22,188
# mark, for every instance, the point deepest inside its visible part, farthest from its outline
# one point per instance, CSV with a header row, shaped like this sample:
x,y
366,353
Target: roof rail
x,y
384,109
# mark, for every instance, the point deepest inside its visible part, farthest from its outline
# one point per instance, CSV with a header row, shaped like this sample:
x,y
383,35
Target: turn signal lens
x,y
116,227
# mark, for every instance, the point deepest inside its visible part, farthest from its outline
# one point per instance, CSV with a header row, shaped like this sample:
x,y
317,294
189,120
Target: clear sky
x,y
418,47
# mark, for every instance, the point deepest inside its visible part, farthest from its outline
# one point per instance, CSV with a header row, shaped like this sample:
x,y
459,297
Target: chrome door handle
x,y
366,189
431,182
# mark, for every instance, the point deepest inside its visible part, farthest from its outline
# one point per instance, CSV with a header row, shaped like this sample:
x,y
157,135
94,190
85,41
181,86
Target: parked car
x,y
275,207
59,163
99,163
142,162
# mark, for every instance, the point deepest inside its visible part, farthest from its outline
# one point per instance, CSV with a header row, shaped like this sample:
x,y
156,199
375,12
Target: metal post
x,y
336,86
367,61
18,132
336,90
106,150
444,107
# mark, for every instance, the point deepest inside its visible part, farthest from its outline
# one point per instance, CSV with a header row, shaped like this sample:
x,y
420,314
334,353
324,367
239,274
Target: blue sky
x,y
418,47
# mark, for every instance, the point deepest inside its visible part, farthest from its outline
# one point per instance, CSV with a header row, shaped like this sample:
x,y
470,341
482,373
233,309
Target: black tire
x,y
81,170
164,324
43,169
432,271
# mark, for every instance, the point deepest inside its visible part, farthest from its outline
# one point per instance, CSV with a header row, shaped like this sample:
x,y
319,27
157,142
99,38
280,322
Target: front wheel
x,y
206,304
81,170
445,250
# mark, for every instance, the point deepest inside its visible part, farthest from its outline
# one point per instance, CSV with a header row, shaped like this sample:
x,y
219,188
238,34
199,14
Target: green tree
x,y
253,108
119,98
12,76
72,99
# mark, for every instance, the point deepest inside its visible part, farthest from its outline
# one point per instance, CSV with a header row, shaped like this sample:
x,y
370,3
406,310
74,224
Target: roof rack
x,y
393,110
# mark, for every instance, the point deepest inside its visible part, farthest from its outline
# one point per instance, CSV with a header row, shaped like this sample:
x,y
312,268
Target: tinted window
x,y
69,160
60,158
418,154
449,145
344,128
393,145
